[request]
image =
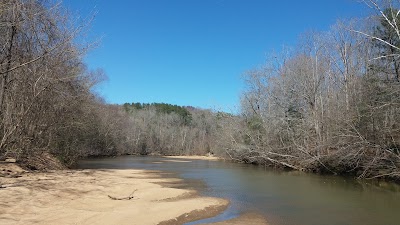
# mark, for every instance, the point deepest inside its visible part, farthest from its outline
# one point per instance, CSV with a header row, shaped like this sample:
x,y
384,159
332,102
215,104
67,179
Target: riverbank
x,y
98,197
211,158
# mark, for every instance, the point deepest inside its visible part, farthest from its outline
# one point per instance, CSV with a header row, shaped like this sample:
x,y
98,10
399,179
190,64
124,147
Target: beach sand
x,y
92,197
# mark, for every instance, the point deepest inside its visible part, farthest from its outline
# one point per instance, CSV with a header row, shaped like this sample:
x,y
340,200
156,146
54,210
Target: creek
x,y
284,198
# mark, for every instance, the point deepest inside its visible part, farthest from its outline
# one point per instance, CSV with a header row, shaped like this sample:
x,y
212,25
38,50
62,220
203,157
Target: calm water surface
x,y
284,198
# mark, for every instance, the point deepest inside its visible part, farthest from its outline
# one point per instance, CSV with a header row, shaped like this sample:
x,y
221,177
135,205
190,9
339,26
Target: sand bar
x,y
211,158
87,197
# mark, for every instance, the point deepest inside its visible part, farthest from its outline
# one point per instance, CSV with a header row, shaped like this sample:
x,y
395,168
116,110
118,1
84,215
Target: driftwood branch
x,y
124,198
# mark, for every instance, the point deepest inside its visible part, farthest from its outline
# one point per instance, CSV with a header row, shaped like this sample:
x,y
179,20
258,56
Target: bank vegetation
x,y
331,104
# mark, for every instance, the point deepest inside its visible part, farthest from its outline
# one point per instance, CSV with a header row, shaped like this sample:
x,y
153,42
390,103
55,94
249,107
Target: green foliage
x,y
221,115
293,116
255,123
162,108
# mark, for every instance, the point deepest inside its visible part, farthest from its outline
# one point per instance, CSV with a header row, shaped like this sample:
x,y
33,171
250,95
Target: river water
x,y
284,198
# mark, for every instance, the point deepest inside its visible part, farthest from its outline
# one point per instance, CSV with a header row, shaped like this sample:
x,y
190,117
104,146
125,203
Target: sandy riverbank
x,y
212,158
89,197
83,197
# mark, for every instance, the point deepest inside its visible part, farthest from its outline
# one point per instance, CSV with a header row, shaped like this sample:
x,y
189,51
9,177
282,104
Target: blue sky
x,y
193,52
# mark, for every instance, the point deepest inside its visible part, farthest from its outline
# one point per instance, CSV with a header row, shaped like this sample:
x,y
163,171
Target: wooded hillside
x,y
330,104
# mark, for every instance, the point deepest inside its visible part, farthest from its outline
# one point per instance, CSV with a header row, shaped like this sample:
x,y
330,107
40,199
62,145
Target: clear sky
x,y
193,52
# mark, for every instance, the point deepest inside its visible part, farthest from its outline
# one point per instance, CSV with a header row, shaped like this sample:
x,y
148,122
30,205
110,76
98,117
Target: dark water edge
x,y
282,197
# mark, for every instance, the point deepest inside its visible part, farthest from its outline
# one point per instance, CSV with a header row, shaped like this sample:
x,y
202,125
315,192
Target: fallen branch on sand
x,y
124,198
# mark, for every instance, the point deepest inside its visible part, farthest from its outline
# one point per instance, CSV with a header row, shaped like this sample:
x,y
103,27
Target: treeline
x,y
47,108
163,108
332,104
165,129
49,116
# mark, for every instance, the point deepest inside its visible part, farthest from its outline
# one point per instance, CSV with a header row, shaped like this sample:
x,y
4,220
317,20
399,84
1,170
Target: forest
x,y
330,104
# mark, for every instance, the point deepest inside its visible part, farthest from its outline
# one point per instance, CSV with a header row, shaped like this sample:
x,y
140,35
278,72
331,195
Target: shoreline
x,y
99,197
199,157
105,196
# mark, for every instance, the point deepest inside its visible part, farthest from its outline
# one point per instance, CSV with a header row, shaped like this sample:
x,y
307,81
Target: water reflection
x,y
283,197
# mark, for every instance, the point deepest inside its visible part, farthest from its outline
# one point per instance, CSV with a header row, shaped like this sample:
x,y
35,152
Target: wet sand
x,y
88,197
102,197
